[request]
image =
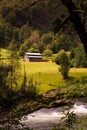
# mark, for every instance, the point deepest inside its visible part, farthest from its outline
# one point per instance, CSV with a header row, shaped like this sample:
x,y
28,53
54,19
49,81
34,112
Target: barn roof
x,y
33,54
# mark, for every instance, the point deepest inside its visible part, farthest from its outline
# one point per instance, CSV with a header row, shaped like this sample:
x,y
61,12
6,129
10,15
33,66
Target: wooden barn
x,y
32,57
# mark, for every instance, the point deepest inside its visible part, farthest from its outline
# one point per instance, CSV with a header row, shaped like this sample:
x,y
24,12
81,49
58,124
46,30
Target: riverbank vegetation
x,y
40,85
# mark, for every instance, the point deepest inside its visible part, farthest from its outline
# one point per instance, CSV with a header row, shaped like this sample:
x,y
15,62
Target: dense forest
x,y
55,28
36,26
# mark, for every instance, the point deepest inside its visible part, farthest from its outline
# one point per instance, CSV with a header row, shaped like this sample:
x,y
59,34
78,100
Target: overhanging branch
x,y
75,18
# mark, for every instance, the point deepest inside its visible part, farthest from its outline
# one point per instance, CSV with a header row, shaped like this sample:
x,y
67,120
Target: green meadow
x,y
46,74
4,53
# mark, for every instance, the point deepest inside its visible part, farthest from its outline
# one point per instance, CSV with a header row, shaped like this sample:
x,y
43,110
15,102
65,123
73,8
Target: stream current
x,y
44,119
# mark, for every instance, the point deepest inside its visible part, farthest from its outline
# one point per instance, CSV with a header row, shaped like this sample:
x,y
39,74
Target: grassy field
x,y
47,76
3,53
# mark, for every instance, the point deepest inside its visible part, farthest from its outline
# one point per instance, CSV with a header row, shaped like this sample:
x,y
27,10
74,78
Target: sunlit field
x,y
46,74
3,53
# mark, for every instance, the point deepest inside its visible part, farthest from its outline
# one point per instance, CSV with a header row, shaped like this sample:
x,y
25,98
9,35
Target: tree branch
x,y
75,18
32,4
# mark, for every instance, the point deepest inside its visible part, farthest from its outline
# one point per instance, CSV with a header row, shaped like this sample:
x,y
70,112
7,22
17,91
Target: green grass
x,y
47,76
3,53
78,72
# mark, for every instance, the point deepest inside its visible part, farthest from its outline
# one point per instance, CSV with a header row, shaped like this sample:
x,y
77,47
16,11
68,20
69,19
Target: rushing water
x,y
44,119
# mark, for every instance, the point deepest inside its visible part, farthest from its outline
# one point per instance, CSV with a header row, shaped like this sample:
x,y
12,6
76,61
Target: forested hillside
x,y
39,25
42,15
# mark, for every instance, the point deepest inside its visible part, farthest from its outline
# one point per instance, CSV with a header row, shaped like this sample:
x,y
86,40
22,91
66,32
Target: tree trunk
x,y
75,18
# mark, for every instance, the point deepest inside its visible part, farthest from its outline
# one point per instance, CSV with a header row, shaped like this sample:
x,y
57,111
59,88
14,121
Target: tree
x,y
45,41
69,117
8,33
11,18
35,36
63,60
64,41
47,53
78,57
1,36
5,90
14,64
4,87
25,47
73,17
47,38
41,46
15,34
76,20
34,48
24,33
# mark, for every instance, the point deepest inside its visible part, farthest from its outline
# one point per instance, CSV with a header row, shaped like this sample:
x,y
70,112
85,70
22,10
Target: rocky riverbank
x,y
51,99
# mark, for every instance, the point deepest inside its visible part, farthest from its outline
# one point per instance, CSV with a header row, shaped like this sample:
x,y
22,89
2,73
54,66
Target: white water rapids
x,y
44,119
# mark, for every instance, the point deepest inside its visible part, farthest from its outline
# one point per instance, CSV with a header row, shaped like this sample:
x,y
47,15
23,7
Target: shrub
x,y
47,53
29,89
63,60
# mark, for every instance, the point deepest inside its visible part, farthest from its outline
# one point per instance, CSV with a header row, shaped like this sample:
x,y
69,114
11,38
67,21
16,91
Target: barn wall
x,y
32,59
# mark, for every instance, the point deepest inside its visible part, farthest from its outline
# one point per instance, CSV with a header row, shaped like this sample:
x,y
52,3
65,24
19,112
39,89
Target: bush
x,y
76,91
78,57
29,89
63,60
47,53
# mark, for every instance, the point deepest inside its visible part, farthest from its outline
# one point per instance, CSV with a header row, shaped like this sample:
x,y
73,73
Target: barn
x,y
32,57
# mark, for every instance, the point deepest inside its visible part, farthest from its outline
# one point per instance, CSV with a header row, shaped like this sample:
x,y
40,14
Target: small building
x,y
33,57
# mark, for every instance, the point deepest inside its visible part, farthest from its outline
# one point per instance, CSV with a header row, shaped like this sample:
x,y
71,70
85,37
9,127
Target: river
x,y
44,119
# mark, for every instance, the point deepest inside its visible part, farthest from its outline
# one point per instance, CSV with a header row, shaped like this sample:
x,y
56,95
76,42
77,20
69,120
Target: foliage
x,y
25,47
13,122
24,33
31,90
68,120
8,33
47,53
63,60
76,90
35,36
28,88
5,92
47,38
34,48
9,74
49,74
2,39
78,57
64,41
69,117
59,128
16,35
29,19
13,60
